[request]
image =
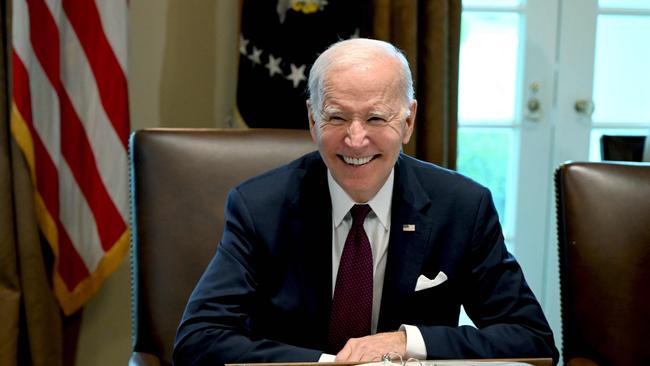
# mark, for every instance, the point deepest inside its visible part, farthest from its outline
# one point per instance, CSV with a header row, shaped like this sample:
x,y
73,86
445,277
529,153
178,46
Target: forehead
x,y
376,82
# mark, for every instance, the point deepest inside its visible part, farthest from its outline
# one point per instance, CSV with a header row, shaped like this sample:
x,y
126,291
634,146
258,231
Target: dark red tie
x,y
352,302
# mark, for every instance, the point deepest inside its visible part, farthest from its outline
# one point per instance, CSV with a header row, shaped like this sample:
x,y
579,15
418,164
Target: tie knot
x,y
359,213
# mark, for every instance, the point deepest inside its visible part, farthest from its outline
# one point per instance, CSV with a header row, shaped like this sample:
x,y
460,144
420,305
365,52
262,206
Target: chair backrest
x,y
603,212
179,182
646,149
622,148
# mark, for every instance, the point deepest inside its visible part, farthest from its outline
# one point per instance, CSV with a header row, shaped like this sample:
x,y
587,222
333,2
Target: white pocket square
x,y
425,283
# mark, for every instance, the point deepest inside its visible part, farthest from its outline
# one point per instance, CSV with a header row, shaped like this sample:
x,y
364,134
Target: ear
x,y
410,122
312,122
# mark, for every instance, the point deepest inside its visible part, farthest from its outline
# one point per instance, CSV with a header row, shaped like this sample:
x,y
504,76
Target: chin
x,y
359,192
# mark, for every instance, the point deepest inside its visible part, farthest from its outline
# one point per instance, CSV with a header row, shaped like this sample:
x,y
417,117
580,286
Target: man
x,y
358,250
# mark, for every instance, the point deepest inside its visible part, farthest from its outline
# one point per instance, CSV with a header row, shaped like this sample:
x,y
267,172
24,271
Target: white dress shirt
x,y
377,227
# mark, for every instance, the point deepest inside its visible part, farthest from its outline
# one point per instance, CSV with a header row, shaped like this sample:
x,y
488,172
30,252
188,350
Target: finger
x,y
344,353
352,351
362,349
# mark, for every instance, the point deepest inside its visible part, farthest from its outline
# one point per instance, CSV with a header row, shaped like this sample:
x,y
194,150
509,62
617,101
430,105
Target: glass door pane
x,y
621,76
490,65
487,156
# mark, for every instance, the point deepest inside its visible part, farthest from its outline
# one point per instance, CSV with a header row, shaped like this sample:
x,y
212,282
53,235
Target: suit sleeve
x,y
215,328
509,320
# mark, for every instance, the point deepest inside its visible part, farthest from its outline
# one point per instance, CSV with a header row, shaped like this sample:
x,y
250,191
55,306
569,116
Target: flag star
x,y
255,56
297,75
274,65
243,43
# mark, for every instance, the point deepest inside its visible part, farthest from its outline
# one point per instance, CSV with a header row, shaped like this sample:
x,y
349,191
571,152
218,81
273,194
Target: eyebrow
x,y
385,113
331,110
379,113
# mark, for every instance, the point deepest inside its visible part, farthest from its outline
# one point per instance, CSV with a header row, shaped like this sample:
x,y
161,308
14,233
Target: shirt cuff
x,y
415,346
326,357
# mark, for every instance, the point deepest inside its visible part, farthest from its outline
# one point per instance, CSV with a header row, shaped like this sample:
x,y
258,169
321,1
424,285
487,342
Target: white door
x,y
506,86
524,67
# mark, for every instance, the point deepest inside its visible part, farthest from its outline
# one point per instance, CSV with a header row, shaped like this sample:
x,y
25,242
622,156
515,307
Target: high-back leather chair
x,y
603,212
179,183
622,148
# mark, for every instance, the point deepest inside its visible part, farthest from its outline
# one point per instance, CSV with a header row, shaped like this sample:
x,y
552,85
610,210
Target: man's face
x,y
363,122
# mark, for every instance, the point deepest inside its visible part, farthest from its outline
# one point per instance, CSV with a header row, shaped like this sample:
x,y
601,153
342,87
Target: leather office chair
x,y
179,183
603,213
622,148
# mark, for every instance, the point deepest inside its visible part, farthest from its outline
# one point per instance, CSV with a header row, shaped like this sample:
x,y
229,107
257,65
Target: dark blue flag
x,y
278,43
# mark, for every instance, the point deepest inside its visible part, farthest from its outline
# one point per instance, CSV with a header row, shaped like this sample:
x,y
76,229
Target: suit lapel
x,y
409,235
312,223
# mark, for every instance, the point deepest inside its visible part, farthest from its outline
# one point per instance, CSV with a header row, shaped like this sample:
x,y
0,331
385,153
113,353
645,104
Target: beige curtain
x,y
31,325
428,31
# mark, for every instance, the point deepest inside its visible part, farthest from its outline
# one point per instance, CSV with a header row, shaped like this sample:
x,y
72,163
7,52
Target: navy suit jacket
x,y
265,296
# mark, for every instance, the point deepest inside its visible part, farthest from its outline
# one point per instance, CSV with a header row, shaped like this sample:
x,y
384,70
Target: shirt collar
x,y
342,203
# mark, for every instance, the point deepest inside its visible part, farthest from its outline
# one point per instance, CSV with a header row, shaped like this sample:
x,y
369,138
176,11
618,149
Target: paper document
x,y
451,363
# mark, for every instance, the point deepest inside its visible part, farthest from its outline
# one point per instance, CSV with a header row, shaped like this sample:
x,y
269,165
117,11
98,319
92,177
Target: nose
x,y
357,136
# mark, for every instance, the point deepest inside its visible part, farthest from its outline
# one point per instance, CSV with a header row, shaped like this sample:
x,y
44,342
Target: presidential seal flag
x,y
69,115
278,43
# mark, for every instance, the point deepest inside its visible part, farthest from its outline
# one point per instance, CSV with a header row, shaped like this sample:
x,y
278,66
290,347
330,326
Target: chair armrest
x,y
143,359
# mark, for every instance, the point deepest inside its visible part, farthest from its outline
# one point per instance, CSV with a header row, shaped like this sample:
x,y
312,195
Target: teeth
x,y
357,161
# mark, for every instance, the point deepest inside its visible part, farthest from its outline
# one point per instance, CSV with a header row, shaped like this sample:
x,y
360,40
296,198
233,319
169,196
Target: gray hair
x,y
354,51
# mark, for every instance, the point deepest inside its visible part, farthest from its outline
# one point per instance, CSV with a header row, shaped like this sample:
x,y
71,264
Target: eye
x,y
336,119
376,119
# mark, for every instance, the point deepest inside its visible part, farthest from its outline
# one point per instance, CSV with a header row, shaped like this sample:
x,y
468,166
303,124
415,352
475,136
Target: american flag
x,y
69,115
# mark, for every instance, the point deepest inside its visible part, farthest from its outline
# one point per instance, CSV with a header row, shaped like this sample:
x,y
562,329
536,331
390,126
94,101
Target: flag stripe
x,y
84,17
79,155
74,142
43,122
69,266
79,82
44,37
115,26
45,171
45,118
47,124
79,224
70,118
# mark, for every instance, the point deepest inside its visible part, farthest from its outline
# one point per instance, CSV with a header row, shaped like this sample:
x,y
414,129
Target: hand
x,y
371,348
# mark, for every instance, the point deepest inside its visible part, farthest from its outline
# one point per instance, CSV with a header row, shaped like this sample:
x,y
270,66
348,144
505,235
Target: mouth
x,y
357,161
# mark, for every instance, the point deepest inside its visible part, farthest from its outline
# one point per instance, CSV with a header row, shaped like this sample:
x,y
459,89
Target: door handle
x,y
584,107
533,105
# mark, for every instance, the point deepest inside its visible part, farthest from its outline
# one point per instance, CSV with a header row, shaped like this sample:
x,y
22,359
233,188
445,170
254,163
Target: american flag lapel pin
x,y
408,227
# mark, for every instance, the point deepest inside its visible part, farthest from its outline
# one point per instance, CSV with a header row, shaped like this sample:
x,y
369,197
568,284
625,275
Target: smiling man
x,y
358,250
